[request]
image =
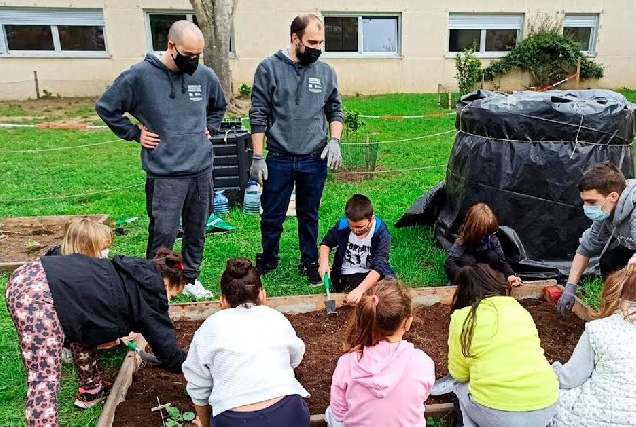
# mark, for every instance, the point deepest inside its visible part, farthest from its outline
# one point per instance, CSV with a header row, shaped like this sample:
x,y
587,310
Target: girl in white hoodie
x,y
382,380
598,383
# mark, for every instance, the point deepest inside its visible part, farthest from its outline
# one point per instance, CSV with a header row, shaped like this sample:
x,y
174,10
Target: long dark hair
x,y
475,283
241,283
379,313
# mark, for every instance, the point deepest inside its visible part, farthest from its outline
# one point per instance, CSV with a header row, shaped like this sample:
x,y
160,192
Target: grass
x,y
32,183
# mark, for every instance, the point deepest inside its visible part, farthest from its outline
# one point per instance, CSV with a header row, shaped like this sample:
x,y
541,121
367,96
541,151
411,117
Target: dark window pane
x,y
380,34
29,37
500,40
581,35
458,40
341,34
159,27
84,38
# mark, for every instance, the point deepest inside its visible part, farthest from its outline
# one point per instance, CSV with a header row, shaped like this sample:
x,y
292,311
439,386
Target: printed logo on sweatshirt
x,y
314,85
195,93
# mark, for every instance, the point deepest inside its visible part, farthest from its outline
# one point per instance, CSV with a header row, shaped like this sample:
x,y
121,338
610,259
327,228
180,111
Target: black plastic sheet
x,y
523,155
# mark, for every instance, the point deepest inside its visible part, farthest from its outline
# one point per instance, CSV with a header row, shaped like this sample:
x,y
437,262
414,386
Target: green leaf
x,y
188,416
173,412
172,423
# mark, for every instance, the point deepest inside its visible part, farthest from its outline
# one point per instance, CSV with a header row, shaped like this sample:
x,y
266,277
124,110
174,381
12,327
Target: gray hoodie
x,y
621,228
176,106
293,104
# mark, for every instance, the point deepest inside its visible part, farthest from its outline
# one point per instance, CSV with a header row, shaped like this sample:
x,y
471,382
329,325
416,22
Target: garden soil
x,y
27,243
323,337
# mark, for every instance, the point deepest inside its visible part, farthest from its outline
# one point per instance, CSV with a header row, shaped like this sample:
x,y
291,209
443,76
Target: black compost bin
x,y
232,160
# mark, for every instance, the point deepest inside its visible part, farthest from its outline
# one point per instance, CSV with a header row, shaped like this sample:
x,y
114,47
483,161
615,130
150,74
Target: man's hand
x,y
333,154
323,269
208,135
566,302
514,281
354,296
147,139
258,170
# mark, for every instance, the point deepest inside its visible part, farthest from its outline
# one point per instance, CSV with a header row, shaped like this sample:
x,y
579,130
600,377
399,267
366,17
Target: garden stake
x,y
159,408
330,304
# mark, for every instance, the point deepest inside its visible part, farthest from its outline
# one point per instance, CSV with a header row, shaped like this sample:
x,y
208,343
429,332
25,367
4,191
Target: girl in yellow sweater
x,y
495,356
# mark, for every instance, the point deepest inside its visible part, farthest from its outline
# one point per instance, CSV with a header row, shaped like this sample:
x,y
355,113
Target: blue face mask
x,y
595,213
487,240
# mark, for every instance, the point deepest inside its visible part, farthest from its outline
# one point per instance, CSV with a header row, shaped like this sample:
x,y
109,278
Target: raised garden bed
x,y
323,337
24,239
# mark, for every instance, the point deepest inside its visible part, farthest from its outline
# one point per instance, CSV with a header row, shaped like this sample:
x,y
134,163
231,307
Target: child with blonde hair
x,y
478,243
87,237
382,379
598,383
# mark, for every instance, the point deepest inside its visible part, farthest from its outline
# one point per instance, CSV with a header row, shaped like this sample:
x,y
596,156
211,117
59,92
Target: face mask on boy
x,y
104,253
595,213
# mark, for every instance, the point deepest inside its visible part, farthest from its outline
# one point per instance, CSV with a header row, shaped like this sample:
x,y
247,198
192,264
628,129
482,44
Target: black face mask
x,y
185,64
309,56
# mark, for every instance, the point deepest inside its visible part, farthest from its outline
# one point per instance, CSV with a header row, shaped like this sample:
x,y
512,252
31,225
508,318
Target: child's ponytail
x,y
619,285
379,313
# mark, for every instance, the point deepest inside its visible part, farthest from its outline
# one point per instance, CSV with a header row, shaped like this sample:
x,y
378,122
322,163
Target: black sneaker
x,y
262,267
311,271
87,400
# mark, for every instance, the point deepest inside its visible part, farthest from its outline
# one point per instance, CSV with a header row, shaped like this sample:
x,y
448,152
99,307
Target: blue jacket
x,y
338,237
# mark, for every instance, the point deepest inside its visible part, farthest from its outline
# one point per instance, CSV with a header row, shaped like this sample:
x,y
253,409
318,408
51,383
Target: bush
x,y
547,55
469,71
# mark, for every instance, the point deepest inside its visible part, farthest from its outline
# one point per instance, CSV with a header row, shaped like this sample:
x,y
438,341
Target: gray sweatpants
x,y
475,414
167,200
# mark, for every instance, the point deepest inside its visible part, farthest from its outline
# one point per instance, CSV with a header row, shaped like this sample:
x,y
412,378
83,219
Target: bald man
x,y
178,104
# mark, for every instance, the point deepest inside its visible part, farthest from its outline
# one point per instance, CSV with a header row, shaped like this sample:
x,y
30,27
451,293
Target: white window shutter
x,y
471,21
580,21
42,16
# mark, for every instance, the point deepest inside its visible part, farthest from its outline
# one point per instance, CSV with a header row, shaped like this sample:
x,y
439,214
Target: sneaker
x,y
87,399
197,290
262,267
311,271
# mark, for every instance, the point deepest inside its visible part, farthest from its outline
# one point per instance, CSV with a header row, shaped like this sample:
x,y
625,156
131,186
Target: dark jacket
x,y
176,106
293,104
99,300
491,254
338,237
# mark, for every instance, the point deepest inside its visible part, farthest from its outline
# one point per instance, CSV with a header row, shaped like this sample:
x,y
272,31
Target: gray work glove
x,y
333,154
258,169
566,302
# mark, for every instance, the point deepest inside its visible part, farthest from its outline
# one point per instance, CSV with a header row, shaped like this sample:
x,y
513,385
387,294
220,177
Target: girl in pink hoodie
x,y
382,380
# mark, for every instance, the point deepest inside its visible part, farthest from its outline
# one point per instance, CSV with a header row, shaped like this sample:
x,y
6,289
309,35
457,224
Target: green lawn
x,y
39,183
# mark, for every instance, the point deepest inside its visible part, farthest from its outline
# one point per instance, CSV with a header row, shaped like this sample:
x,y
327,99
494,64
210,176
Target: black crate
x,y
232,160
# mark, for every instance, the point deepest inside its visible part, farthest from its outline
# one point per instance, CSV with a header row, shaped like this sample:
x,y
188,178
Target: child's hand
x,y
515,281
354,296
323,269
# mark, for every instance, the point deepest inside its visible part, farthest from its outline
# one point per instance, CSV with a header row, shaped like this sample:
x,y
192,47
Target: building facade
x,y
77,47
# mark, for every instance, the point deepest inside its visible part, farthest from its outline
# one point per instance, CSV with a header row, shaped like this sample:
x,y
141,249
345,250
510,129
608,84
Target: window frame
x,y
188,14
360,53
593,29
5,52
482,53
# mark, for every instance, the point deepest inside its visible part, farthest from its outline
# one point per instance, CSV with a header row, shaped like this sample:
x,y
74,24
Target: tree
x,y
215,18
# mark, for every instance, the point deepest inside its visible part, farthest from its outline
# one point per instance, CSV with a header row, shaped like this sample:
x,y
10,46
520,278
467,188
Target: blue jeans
x,y
309,174
290,411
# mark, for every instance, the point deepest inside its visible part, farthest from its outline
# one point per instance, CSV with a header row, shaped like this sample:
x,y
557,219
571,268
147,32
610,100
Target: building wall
x,y
261,28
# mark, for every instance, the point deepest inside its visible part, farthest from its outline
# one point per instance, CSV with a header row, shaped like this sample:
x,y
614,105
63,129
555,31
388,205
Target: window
x,y
158,24
52,32
373,35
582,28
489,35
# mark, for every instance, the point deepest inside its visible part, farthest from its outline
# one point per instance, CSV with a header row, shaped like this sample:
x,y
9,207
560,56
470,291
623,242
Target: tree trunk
x,y
215,18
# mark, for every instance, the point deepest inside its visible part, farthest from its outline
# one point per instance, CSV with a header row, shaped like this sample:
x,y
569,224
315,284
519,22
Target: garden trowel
x,y
146,357
330,304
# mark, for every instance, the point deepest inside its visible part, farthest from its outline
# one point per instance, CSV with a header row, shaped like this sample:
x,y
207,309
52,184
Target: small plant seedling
x,y
176,418
245,90
33,245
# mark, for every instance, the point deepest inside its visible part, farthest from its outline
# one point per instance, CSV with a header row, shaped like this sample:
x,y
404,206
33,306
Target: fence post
x,y
450,99
37,84
578,72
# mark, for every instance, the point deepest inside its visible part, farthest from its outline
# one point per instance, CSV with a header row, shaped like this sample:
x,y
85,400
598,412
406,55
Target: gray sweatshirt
x,y
621,228
176,106
293,104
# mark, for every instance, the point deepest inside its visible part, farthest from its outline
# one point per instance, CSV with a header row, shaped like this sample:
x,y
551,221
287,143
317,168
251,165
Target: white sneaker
x,y
197,290
67,355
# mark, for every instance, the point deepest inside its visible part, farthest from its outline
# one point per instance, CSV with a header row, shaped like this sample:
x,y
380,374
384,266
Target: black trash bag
x,y
523,155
